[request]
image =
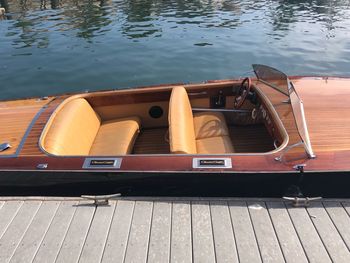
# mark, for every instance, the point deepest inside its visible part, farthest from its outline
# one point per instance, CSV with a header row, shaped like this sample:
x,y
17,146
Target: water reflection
x,y
142,19
134,42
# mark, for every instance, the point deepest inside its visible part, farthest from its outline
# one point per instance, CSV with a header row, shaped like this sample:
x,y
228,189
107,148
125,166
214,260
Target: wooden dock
x,y
173,230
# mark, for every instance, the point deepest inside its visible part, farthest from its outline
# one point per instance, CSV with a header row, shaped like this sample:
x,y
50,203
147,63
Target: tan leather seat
x,y
116,137
76,129
201,133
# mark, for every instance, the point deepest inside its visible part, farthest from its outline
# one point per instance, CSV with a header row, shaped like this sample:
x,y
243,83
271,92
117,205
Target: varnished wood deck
x,y
173,230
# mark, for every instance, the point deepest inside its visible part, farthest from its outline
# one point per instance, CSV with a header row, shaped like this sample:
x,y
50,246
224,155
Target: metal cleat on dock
x,y
301,201
100,199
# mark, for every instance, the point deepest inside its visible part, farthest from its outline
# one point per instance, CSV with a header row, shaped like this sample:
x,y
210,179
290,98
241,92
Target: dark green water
x,y
49,47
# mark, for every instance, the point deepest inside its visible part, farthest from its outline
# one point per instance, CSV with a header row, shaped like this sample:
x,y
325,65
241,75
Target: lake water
x,y
57,46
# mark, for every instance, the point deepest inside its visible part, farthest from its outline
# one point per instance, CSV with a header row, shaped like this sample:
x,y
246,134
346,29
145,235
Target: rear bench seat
x,y
76,129
199,133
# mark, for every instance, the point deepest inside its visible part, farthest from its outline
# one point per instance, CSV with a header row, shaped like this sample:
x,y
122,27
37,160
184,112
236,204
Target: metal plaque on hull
x,y
100,163
212,163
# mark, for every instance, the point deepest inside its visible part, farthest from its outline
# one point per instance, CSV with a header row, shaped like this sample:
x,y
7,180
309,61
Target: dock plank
x,y
224,241
17,229
181,234
118,235
173,230
340,219
96,239
7,214
265,234
328,233
159,247
312,244
288,238
247,246
138,242
34,235
203,245
76,235
56,233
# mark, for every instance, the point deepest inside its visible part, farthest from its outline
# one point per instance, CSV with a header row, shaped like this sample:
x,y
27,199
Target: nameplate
x,y
100,163
212,163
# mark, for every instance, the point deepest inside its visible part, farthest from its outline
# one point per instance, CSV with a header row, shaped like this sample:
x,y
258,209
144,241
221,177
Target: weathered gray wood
x,y
247,247
76,235
328,233
56,233
137,247
119,232
34,235
159,246
308,236
340,219
181,236
7,214
224,241
96,239
288,238
16,230
203,245
265,234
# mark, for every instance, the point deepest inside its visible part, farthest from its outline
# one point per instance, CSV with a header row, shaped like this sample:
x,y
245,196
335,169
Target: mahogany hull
x,y
326,101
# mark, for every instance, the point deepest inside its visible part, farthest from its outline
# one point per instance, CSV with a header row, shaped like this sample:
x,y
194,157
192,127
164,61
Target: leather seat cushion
x,y
116,137
181,128
209,124
214,145
73,130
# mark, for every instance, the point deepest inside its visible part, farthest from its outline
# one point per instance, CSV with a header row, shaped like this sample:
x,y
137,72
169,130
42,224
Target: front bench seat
x,y
76,129
201,133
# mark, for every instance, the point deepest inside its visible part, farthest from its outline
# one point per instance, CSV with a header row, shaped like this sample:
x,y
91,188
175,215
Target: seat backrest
x,y
181,128
72,129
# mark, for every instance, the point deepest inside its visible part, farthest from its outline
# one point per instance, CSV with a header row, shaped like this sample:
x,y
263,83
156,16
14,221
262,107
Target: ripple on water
x,y
76,45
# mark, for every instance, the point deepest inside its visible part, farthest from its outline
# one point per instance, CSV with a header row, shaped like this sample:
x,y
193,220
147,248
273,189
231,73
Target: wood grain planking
x,y
54,237
265,234
152,141
287,236
159,244
16,116
310,240
138,242
96,239
118,235
76,235
331,239
7,214
247,246
34,235
181,232
224,240
31,145
202,240
17,229
340,219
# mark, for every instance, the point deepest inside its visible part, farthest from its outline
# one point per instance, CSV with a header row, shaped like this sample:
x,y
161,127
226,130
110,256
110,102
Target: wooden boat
x,y
260,130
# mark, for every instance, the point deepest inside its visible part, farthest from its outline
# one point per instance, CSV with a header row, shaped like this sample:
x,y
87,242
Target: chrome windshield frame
x,y
300,120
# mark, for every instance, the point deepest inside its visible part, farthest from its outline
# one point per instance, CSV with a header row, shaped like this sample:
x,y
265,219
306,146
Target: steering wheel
x,y
242,93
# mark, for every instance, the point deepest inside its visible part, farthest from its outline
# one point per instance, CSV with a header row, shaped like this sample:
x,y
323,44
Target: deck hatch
x,y
98,163
212,163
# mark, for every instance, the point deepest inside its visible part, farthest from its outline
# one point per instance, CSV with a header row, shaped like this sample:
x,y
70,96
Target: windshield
x,y
273,77
280,82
